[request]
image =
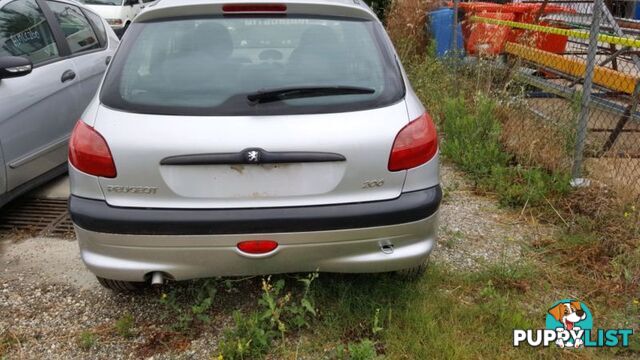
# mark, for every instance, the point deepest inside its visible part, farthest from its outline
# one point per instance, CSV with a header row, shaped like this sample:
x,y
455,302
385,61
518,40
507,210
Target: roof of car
x,y
174,8
73,2
167,3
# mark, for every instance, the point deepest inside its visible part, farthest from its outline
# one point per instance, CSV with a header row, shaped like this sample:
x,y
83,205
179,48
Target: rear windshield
x,y
209,66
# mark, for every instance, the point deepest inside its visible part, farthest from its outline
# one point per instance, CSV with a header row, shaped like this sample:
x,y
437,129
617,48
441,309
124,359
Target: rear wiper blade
x,y
279,94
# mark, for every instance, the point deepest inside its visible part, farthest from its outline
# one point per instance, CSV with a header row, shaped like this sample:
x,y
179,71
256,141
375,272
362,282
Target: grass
x,y
87,340
471,138
8,343
445,315
124,326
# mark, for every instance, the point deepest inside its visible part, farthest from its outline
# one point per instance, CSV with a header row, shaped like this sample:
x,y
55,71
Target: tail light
x,y
89,152
414,145
257,246
256,8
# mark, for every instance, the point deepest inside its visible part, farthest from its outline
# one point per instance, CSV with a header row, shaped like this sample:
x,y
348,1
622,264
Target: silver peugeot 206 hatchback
x,y
232,138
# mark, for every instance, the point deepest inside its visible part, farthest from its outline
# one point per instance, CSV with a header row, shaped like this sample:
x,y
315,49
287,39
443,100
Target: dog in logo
x,y
568,313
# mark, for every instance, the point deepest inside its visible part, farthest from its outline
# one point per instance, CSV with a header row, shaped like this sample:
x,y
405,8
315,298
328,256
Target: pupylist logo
x,y
569,324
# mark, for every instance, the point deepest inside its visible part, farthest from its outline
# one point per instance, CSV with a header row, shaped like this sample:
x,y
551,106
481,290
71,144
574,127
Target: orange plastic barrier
x,y
519,12
488,39
473,8
526,13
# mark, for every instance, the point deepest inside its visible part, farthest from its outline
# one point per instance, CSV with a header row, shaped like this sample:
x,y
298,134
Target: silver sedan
x,y
53,55
253,138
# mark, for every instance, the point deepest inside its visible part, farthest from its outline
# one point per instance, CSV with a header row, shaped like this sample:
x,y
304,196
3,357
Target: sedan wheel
x,y
121,286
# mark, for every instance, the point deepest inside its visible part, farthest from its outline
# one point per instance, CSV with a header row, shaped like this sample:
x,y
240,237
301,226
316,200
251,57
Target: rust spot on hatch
x,y
273,166
238,168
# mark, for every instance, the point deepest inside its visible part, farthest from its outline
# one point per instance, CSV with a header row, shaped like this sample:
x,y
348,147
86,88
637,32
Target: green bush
x,y
472,141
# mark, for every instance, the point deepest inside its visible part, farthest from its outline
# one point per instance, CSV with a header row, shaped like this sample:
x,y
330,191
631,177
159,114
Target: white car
x,y
118,13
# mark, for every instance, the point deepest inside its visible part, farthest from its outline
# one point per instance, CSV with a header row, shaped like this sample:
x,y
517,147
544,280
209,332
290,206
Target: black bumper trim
x,y
98,216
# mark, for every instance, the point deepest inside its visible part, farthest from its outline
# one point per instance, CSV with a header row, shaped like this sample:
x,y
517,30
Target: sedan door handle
x,y
107,60
68,76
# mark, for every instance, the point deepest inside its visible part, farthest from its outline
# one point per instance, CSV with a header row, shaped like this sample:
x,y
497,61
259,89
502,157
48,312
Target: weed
x,y
124,326
507,276
87,340
279,312
376,327
449,238
7,342
364,350
472,139
249,338
196,312
274,305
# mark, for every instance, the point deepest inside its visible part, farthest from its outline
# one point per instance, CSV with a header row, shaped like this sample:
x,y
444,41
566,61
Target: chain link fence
x,y
568,73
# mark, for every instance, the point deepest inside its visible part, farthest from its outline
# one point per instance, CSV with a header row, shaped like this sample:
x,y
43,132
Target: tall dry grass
x,y
406,20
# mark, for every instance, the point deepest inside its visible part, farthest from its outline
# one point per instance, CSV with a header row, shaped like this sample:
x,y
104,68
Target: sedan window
x,y
24,31
80,36
96,21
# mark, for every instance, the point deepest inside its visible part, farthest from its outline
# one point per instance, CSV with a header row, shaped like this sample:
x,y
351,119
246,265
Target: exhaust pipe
x,y
157,279
386,246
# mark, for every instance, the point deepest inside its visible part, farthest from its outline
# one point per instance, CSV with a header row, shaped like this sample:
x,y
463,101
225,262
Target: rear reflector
x,y
89,152
415,144
259,8
257,246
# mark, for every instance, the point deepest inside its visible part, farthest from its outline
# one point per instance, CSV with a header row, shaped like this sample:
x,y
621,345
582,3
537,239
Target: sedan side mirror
x,y
14,66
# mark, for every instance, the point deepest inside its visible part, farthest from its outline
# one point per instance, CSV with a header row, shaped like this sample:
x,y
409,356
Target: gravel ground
x,y
48,299
475,231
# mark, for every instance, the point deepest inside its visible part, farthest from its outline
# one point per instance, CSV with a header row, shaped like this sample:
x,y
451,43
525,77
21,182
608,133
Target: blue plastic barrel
x,y
440,27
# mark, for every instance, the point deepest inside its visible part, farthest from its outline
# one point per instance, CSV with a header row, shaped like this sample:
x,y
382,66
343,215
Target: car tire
x,y
413,273
121,286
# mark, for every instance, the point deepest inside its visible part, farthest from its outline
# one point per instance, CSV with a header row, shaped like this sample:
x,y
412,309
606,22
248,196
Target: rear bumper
x,y
98,216
326,243
135,257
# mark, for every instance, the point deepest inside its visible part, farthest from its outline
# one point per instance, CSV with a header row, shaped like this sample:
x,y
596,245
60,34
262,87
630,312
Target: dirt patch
x,y
476,232
43,261
48,300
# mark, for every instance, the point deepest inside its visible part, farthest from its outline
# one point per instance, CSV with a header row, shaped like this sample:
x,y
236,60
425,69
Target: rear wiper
x,y
279,94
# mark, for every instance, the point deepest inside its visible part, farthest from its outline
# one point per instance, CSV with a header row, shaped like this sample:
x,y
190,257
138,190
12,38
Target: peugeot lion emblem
x,y
253,156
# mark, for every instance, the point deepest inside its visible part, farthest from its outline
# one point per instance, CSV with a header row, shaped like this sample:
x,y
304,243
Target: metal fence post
x,y
454,31
583,118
